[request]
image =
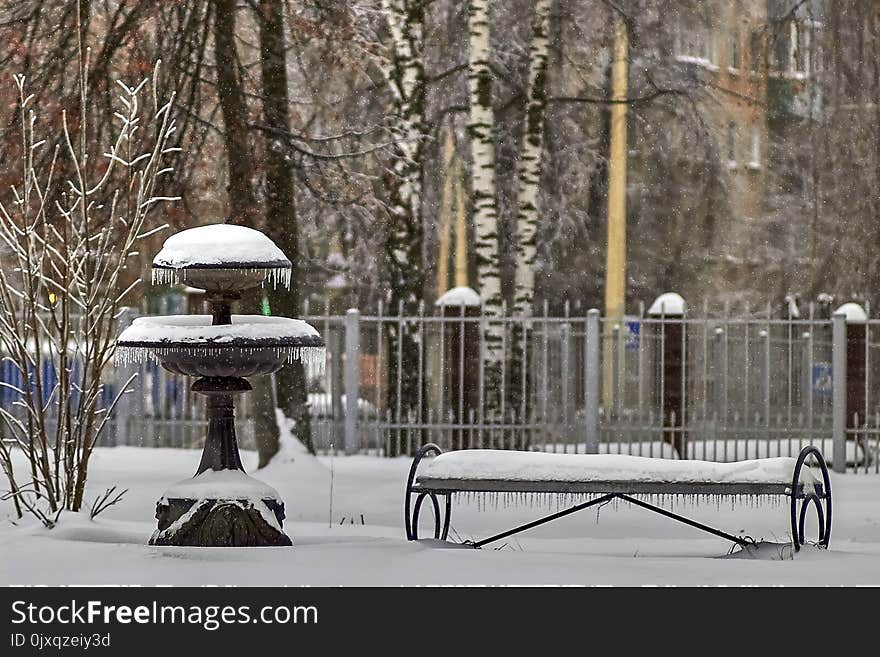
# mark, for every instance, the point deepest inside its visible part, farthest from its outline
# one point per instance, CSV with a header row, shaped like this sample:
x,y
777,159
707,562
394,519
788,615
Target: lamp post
x,y
615,266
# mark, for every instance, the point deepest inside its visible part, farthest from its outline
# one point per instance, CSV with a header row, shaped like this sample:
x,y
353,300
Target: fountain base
x,y
220,523
221,506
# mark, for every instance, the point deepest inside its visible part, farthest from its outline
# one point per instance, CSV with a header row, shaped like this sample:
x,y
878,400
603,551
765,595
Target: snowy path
x,y
625,546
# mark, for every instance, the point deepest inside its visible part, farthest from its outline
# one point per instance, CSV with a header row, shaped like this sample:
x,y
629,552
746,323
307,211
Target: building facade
x,y
719,187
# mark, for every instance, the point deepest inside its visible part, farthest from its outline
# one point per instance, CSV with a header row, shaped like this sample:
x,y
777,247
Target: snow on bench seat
x,y
486,470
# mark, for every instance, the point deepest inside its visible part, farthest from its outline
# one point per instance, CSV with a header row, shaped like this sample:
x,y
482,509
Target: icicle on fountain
x,y
221,505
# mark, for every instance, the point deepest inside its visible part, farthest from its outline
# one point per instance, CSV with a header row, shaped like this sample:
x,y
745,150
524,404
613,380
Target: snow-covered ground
x,y
625,545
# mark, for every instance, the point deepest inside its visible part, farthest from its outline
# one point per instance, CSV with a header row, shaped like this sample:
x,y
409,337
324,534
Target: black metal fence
x,y
713,387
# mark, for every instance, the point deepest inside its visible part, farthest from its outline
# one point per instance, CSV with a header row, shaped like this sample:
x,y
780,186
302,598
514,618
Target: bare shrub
x,y
69,231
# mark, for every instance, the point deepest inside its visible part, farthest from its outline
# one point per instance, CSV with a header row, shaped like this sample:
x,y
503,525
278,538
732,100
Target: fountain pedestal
x,y
221,445
221,506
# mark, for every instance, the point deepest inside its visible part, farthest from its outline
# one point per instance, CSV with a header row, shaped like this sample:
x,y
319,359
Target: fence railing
x,y
715,388
733,388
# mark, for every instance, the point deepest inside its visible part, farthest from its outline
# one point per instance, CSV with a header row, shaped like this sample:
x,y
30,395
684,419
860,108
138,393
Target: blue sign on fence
x,y
631,339
822,379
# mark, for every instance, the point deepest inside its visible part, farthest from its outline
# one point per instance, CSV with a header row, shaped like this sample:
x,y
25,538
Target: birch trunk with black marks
x,y
405,235
485,212
481,128
528,189
530,161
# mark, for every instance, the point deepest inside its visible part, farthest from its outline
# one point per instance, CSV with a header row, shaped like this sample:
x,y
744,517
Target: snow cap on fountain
x,y
187,254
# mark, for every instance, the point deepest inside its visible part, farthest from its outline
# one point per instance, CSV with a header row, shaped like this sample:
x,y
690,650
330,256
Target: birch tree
x,y
405,235
405,78
481,126
530,161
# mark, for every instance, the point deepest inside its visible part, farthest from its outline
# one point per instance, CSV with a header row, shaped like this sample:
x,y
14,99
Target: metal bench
x,y
612,476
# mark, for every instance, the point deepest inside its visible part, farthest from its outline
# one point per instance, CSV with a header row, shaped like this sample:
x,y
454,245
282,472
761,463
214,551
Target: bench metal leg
x,y
740,540
607,498
541,521
419,500
804,499
411,515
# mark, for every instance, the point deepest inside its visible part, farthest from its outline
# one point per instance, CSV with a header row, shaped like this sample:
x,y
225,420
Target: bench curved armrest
x,y
808,495
424,450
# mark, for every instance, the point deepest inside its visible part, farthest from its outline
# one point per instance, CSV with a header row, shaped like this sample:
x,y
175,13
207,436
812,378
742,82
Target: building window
x,y
755,148
756,52
733,60
709,46
690,42
793,54
731,145
800,45
781,49
694,43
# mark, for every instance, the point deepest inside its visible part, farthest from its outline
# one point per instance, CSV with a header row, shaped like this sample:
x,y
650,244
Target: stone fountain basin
x,y
221,361
190,345
233,278
221,258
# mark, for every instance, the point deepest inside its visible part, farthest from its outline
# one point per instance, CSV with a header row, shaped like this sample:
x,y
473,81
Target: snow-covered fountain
x,y
221,505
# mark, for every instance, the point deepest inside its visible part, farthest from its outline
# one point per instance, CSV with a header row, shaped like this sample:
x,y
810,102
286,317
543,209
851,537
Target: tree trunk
x,y
482,122
239,155
530,160
405,235
528,189
281,222
485,214
242,205
262,399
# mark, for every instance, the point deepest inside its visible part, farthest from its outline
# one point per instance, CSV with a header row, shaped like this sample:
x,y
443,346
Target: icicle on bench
x,y
614,476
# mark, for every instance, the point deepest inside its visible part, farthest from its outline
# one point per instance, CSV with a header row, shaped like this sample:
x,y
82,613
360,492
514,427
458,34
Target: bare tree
x,y
240,193
281,215
71,244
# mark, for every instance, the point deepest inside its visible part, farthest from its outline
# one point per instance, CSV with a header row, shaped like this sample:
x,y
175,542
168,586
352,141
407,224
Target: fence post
x,y
122,413
670,308
461,353
838,369
337,412
856,364
591,381
352,379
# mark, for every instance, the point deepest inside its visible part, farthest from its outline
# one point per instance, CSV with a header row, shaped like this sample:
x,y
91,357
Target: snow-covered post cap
x,y
219,246
668,304
460,296
854,313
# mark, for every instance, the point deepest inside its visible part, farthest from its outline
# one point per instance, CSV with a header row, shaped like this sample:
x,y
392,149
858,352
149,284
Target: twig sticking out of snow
x,y
105,501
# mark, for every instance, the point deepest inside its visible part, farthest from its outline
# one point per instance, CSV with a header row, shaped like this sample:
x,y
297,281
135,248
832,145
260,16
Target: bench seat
x,y
615,476
496,471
